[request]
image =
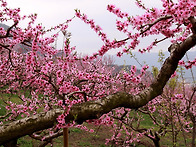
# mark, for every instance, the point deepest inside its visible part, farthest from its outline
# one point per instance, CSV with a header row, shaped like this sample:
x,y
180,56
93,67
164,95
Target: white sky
x,y
53,12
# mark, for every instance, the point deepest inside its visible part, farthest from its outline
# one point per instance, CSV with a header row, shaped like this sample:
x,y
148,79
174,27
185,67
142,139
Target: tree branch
x,y
148,26
95,109
155,22
28,125
9,53
193,22
6,115
8,31
48,137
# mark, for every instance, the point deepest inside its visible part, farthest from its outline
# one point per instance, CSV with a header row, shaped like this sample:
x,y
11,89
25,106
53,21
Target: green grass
x,y
2,108
7,97
24,142
147,123
75,130
85,144
103,145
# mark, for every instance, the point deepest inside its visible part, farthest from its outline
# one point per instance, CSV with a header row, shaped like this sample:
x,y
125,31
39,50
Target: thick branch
x,y
193,22
95,109
28,125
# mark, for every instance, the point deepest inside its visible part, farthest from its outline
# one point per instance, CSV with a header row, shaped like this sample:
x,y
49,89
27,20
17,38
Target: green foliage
x,y
85,144
155,71
161,57
172,83
2,108
103,145
147,123
76,130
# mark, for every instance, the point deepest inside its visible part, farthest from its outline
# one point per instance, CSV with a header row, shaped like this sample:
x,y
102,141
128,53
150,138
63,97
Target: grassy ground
x,y
81,138
77,138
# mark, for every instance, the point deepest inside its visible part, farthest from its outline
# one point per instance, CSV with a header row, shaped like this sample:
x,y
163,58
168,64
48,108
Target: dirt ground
x,y
83,138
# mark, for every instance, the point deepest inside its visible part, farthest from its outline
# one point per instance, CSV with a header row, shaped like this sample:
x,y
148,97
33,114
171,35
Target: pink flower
x,y
60,102
119,54
91,130
4,4
78,14
181,62
174,74
180,96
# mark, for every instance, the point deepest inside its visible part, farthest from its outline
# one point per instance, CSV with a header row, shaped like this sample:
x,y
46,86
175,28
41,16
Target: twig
x,y
149,26
48,137
4,116
9,51
157,41
155,22
78,92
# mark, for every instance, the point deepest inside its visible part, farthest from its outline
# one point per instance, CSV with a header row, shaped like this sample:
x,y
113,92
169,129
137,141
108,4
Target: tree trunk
x,y
194,134
65,137
156,140
156,143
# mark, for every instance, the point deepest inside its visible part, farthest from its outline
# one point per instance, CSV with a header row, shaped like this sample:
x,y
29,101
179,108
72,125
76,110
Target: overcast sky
x,y
53,12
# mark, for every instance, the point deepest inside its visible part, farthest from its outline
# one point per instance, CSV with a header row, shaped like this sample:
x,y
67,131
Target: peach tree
x,y
45,89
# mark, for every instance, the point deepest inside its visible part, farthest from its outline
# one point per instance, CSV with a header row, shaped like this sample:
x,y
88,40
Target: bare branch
x,y
155,22
157,41
9,53
78,92
149,25
6,115
48,137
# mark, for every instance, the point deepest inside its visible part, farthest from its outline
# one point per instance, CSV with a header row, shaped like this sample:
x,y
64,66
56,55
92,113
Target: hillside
x,y
152,60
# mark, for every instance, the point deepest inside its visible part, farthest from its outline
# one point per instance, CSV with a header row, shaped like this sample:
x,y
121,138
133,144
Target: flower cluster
x,y
189,63
117,11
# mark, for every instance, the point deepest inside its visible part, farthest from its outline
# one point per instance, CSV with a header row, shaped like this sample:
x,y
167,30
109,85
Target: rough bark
x,y
95,109
28,125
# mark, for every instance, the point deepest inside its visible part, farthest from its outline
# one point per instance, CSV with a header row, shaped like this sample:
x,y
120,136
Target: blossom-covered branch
x,y
95,109
43,88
